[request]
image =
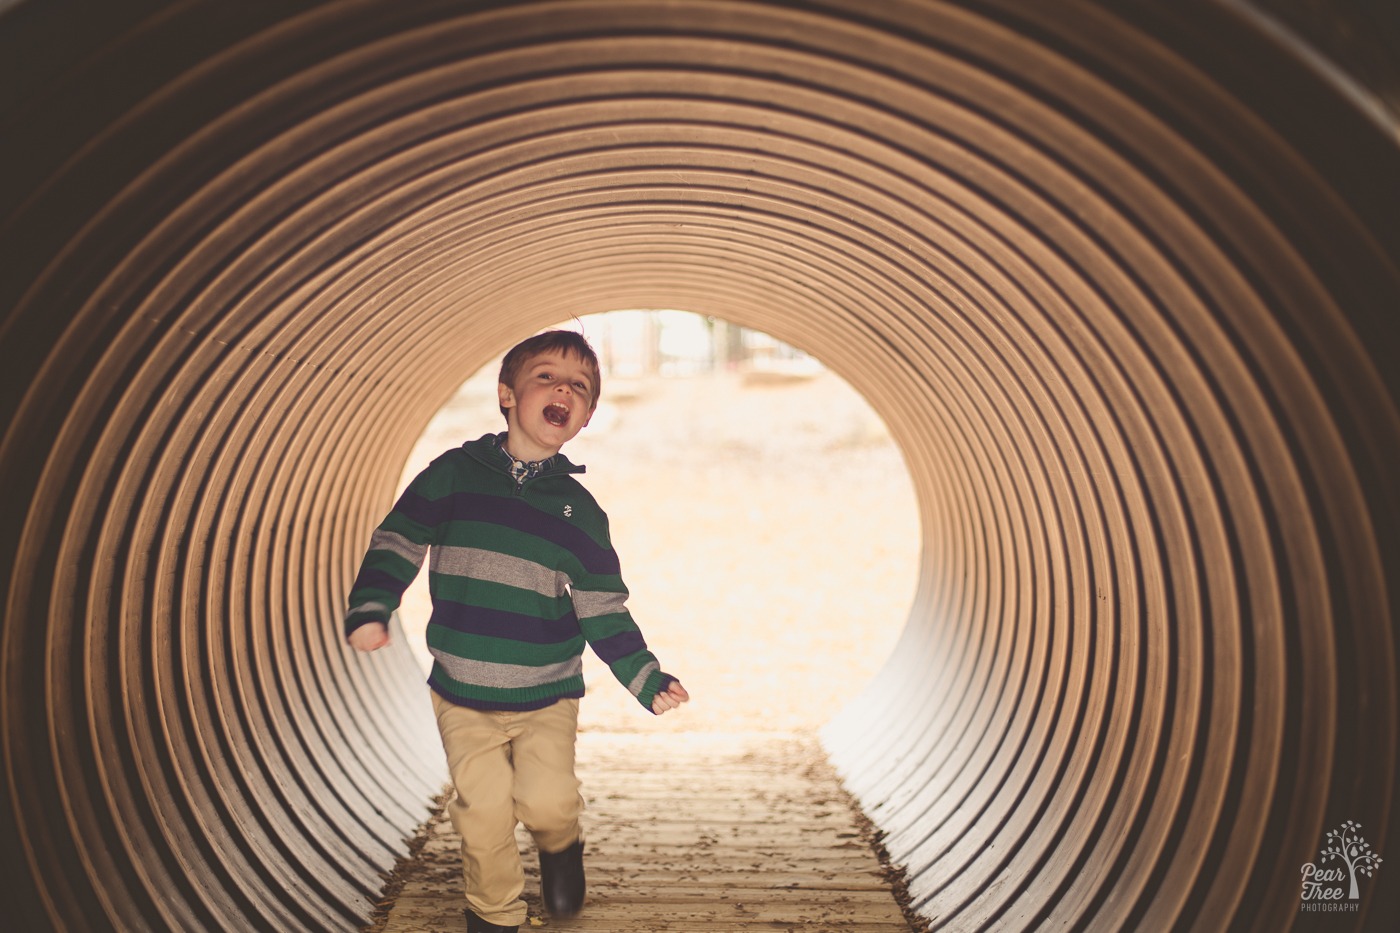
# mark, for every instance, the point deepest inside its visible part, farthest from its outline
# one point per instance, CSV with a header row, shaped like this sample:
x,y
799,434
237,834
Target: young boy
x,y
522,573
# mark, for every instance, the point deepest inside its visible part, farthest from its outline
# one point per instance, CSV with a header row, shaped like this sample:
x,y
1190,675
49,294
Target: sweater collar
x,y
491,450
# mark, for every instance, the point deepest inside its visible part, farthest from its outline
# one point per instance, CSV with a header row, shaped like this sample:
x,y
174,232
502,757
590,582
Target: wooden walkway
x,y
691,832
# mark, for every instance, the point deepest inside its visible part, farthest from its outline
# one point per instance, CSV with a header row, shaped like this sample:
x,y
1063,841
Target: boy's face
x,y
552,400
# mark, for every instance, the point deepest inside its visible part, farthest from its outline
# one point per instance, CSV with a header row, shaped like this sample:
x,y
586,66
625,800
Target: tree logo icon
x,y
1322,883
1345,844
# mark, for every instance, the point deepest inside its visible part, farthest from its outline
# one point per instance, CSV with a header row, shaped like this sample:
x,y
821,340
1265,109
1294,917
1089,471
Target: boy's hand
x,y
670,698
369,636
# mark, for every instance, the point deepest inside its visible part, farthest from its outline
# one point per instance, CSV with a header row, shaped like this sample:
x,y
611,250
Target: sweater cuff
x,y
356,619
657,682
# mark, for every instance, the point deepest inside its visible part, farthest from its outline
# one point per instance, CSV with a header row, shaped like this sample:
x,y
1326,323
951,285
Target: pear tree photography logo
x,y
1330,884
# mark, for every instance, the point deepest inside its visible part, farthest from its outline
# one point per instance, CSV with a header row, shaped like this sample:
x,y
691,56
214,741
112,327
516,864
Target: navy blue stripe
x,y
371,578
518,514
616,647
473,620
512,512
415,508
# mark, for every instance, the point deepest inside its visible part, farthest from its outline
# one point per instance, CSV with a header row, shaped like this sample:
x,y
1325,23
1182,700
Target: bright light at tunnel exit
x,y
765,520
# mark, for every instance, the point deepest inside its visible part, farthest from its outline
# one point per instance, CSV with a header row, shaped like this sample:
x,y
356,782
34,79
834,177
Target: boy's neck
x,y
528,454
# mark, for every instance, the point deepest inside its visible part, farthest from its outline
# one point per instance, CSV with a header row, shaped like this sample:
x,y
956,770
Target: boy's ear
x,y
506,395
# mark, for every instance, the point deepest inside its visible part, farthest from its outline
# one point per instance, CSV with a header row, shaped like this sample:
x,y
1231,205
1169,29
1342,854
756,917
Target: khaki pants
x,y
508,767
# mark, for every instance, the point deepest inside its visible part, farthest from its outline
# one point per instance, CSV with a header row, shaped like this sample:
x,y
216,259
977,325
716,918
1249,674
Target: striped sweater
x,y
522,572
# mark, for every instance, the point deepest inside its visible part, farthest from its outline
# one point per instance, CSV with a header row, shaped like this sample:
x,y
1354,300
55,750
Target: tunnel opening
x,y
765,516
1120,279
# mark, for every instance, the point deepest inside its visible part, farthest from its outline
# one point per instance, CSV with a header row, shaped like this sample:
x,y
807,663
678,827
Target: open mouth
x,y
556,414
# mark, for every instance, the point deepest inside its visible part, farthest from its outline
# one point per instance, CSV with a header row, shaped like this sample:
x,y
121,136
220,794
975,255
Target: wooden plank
x,y
742,832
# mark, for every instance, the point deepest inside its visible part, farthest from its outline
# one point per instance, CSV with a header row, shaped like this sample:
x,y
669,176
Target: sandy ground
x,y
767,531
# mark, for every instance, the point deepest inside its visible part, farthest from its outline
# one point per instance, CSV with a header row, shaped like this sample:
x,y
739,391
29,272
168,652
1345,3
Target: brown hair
x,y
551,341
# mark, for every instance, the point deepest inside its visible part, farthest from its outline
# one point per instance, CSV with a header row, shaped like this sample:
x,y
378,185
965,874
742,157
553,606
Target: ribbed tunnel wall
x,y
1122,284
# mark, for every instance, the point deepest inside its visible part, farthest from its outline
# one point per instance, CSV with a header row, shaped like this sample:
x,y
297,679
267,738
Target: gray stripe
x,y
479,564
640,680
377,608
396,543
491,674
589,604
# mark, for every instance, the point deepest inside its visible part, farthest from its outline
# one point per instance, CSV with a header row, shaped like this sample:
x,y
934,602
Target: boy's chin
x,y
551,435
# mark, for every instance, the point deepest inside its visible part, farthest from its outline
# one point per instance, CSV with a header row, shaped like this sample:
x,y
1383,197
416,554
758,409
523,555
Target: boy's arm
x,y
396,552
600,602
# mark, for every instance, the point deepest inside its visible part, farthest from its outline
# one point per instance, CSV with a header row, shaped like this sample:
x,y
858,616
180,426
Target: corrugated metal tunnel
x,y
1121,279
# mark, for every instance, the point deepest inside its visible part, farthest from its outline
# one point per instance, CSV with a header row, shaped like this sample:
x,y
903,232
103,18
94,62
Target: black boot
x,y
561,880
476,925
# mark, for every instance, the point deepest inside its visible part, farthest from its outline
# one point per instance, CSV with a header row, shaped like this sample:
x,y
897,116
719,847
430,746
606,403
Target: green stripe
x,y
505,540
401,524
371,594
502,650
626,669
